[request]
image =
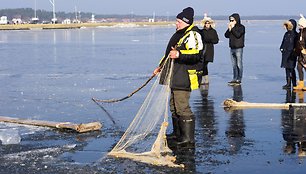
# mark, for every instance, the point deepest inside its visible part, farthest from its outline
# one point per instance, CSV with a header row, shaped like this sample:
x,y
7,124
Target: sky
x,y
167,7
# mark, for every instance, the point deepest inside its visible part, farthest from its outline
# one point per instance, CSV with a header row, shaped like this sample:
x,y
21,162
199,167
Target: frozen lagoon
x,y
53,74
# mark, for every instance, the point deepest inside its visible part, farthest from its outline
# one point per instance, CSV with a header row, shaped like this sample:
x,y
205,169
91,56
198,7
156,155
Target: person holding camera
x,y
236,33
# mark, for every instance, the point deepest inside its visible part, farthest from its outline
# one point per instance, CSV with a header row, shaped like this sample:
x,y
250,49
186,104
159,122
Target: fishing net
x,y
145,138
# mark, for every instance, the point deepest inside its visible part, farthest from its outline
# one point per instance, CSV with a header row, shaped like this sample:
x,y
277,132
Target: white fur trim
x,y
302,21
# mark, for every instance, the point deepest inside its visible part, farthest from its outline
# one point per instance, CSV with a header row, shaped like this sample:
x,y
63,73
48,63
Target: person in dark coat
x,y
288,55
209,38
236,34
301,53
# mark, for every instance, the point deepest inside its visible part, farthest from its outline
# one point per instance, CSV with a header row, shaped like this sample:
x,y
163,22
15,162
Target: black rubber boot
x,y
176,129
187,128
288,85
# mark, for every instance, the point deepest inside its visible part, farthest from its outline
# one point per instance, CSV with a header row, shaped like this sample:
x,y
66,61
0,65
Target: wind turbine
x,y
54,20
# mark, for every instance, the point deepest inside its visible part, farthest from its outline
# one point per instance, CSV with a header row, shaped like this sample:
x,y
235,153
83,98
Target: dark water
x,y
53,74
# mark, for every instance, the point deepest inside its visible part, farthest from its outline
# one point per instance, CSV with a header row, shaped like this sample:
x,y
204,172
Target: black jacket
x,y
237,33
187,61
209,38
288,45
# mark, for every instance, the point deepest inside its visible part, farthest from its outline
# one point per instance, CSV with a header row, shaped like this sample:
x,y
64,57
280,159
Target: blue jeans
x,y
236,57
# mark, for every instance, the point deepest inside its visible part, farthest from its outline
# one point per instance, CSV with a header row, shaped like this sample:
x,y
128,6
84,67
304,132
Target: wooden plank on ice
x,y
83,127
232,104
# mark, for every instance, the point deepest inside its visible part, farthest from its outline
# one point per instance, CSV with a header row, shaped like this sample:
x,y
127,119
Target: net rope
x,y
145,138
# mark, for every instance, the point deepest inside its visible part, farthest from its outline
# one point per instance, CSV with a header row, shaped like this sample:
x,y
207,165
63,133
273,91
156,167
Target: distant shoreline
x,y
91,25
77,26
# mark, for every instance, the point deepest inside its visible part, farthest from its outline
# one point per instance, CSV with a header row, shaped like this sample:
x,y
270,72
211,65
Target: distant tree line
x,y
43,15
28,13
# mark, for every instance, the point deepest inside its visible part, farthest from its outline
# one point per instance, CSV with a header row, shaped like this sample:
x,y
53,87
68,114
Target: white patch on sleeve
x,y
195,43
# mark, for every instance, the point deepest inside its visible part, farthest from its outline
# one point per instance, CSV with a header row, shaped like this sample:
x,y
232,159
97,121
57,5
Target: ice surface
x,y
9,136
53,74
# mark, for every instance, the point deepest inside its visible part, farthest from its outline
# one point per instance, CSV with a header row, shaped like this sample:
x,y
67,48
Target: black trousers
x,y
290,72
300,71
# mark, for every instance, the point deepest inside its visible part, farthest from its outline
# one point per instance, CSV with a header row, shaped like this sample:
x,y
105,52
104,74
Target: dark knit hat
x,y
186,15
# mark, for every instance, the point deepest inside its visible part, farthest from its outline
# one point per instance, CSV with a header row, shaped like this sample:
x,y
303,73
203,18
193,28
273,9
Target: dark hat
x,y
186,15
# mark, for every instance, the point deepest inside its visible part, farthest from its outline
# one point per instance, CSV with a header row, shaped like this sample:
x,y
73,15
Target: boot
x,y
176,130
187,128
288,85
299,86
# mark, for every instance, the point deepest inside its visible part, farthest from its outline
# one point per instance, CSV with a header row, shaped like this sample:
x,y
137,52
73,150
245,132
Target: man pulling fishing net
x,y
145,139
183,49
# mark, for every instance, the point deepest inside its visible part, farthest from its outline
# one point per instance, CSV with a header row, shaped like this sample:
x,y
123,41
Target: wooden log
x,y
83,127
232,104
